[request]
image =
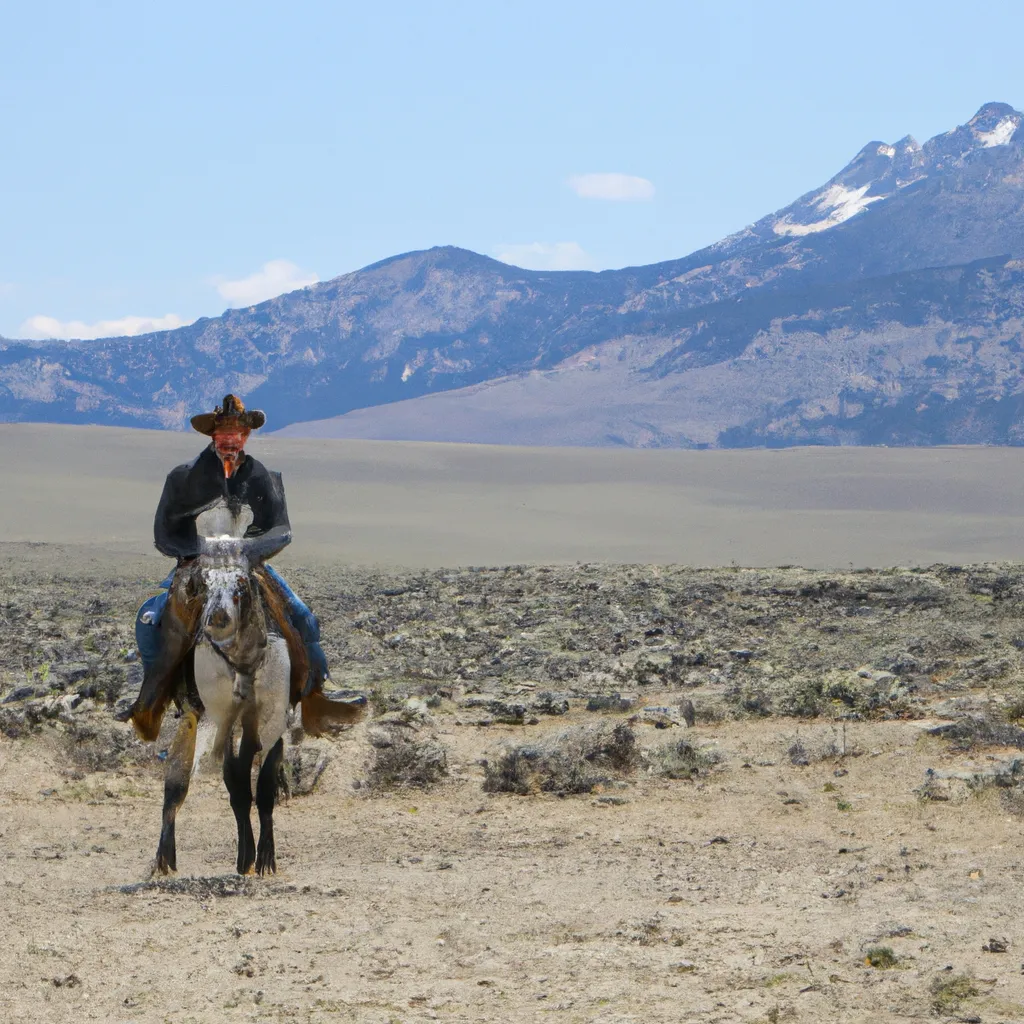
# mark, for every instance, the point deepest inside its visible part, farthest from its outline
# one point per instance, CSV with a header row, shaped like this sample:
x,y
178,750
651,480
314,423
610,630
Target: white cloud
x,y
275,278
48,327
547,256
621,187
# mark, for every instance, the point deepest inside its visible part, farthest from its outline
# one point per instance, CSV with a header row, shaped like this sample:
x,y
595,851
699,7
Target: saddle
x,y
320,713
277,608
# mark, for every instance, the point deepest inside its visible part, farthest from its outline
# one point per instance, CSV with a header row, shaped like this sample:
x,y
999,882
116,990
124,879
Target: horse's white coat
x,y
215,681
227,696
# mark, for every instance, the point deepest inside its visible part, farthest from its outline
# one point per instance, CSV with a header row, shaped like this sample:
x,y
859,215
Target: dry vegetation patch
x,y
783,764
574,761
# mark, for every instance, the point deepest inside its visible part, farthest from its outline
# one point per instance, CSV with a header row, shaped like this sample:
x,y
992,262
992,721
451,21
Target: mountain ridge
x,y
440,321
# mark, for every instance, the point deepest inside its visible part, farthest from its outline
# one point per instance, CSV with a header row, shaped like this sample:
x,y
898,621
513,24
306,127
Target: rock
x,y
661,717
996,945
687,710
610,702
505,712
22,693
547,703
73,672
13,723
122,707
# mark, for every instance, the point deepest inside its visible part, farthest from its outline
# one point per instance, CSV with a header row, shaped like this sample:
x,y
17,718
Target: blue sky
x,y
164,162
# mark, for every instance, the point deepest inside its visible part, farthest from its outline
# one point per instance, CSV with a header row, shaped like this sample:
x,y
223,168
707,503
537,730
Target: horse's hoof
x,y
160,868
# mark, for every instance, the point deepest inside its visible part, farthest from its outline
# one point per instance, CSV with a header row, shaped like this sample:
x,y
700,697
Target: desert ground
x,y
93,490
603,777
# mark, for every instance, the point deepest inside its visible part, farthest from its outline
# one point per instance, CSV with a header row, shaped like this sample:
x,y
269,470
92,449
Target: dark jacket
x,y
198,485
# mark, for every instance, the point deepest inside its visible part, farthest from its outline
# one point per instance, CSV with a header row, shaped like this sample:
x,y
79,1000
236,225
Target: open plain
x,y
588,790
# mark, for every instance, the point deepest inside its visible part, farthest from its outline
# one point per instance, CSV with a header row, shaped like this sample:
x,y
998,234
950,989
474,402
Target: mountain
x,y
885,307
878,361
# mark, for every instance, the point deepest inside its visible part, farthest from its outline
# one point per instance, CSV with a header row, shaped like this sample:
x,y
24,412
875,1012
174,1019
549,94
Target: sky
x,y
162,162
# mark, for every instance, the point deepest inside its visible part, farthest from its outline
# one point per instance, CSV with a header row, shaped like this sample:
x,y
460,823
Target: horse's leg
x,y
266,794
238,779
177,774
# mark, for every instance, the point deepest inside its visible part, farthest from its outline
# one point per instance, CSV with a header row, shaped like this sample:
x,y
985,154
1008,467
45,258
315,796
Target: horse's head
x,y
232,618
228,604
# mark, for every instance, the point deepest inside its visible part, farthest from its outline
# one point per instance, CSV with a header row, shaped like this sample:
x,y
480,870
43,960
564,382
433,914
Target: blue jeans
x,y
147,628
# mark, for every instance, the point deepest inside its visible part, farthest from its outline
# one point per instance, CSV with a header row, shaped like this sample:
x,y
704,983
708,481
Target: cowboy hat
x,y
231,413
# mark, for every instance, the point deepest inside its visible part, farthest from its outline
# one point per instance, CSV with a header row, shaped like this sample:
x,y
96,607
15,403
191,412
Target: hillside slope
x,y
826,321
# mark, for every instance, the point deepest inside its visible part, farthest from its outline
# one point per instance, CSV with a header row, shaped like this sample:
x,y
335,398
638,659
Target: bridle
x,y
242,618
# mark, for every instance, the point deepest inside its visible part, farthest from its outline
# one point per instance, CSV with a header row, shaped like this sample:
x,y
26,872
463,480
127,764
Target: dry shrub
x,y
749,699
401,758
301,768
682,760
98,747
949,992
575,761
803,750
975,732
881,957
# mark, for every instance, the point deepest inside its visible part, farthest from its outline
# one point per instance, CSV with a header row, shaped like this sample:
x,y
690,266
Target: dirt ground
x,y
832,857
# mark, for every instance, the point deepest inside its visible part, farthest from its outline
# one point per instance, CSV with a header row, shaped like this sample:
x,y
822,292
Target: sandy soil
x,y
748,896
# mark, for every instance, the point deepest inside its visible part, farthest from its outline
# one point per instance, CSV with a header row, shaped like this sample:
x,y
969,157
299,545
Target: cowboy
x,y
225,480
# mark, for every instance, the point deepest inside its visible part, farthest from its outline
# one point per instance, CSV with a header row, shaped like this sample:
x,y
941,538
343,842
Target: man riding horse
x,y
225,479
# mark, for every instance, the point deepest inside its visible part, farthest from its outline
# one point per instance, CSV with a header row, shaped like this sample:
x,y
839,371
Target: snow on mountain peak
x,y
993,125
882,169
1001,134
842,202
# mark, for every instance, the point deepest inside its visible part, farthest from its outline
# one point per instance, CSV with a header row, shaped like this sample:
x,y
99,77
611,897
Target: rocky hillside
x,y
882,308
878,361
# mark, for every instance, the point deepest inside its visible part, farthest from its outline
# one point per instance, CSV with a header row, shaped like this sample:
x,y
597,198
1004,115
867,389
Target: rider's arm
x,y
174,527
270,526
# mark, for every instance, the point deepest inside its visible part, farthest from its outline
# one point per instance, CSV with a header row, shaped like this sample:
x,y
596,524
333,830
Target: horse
x,y
246,667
